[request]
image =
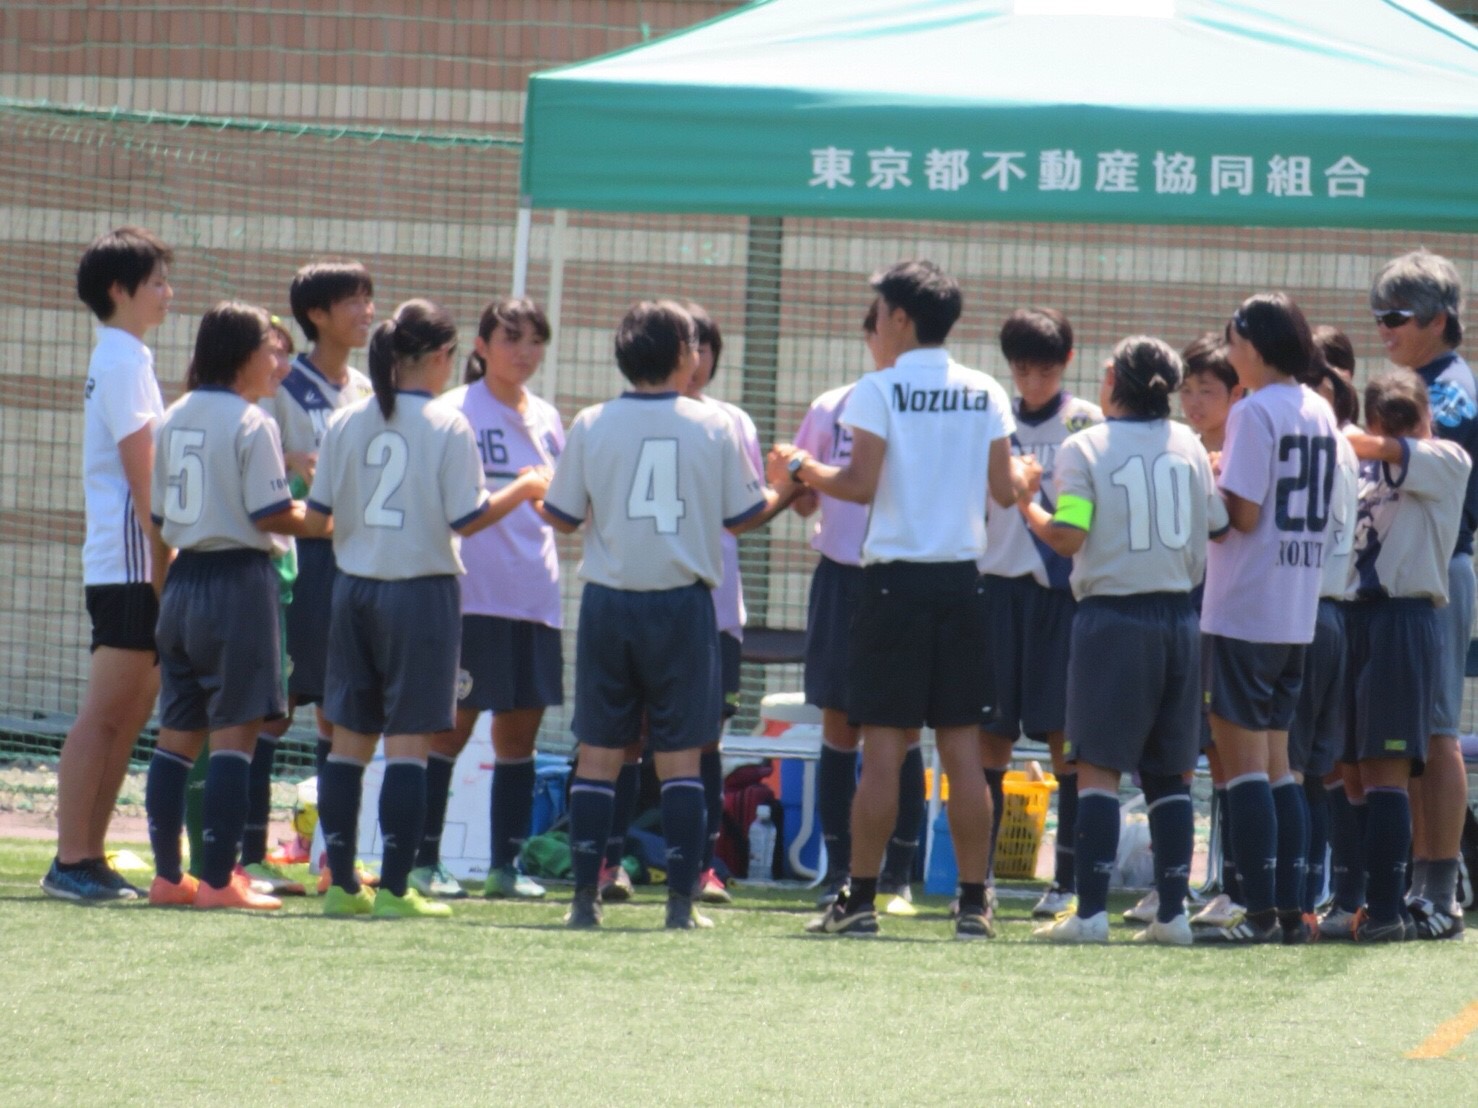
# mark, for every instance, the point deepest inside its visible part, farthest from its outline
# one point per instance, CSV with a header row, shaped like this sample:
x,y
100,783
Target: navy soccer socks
x,y
1316,799
1387,844
903,845
1254,841
1172,837
628,783
1065,876
836,784
685,827
164,803
711,771
402,818
1097,842
1293,847
512,808
226,780
592,808
1346,850
258,801
340,785
995,783
439,770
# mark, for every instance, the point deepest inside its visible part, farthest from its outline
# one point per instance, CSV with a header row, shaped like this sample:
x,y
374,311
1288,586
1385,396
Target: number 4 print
x,y
654,488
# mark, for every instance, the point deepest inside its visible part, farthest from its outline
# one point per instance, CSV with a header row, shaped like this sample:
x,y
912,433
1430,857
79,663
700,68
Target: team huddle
x,y
1274,585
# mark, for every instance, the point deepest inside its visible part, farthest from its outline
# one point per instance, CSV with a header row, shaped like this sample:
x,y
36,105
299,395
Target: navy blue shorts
x,y
829,610
1134,684
1317,736
1031,630
1254,684
1395,651
508,664
729,649
220,646
123,616
918,646
307,620
647,652
393,652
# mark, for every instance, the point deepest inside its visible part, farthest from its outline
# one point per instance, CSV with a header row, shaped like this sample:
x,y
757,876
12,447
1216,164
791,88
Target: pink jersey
x,y
1281,454
840,524
728,597
512,566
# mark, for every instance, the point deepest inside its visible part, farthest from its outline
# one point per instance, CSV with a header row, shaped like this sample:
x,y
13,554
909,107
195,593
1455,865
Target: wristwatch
x,y
793,467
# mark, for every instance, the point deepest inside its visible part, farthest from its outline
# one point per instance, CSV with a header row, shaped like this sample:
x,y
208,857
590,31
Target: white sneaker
x,y
1337,924
1145,910
1175,933
1220,912
1054,902
1073,928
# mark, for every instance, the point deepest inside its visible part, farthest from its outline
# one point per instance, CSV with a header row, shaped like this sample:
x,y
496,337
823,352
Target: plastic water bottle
x,y
762,845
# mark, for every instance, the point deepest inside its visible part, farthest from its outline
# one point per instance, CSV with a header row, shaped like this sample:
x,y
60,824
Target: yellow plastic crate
x,y
1023,824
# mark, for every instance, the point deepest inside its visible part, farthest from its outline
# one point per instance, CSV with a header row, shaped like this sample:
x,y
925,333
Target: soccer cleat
x,y
125,889
615,883
326,877
82,886
164,893
1295,929
1220,911
1054,903
238,895
340,902
1146,911
898,900
682,916
1240,931
585,910
436,881
832,888
504,882
839,919
710,889
1368,930
974,923
410,906
277,883
1337,924
1432,922
1073,928
1175,932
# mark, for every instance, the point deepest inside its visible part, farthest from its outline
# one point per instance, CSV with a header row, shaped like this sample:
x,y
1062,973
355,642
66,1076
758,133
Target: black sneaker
x,y
682,916
81,885
832,888
1432,922
1295,930
112,879
585,911
840,919
975,923
1368,930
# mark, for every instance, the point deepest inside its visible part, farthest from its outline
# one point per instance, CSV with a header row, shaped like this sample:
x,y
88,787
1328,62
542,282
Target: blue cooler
x,y
551,783
942,878
803,841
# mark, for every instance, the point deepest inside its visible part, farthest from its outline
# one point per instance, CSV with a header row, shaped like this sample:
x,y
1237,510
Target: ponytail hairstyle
x,y
229,334
1146,372
417,328
1277,330
517,314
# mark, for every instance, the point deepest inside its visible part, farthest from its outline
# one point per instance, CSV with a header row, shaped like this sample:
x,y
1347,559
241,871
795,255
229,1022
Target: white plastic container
x,y
762,845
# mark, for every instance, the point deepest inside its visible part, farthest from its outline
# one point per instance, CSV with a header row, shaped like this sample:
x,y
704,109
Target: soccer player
x,y
1412,491
929,437
512,664
333,302
1261,602
659,476
123,277
219,485
400,474
835,587
1417,300
1026,586
1135,505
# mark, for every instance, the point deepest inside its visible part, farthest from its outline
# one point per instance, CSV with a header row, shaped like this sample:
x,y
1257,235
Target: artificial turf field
x,y
131,1005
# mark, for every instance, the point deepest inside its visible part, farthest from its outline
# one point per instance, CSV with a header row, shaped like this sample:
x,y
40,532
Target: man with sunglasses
x,y
1417,303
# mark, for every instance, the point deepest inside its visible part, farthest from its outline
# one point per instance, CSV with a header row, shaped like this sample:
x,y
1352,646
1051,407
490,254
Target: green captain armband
x,y
1074,511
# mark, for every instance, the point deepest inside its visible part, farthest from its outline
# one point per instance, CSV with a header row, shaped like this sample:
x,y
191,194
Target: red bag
x,y
744,791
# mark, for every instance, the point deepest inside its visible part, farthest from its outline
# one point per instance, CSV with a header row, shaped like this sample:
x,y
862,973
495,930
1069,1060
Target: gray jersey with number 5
x,y
217,468
398,489
660,477
1154,506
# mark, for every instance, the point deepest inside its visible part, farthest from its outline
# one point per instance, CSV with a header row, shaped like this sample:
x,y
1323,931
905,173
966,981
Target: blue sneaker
x,y
84,885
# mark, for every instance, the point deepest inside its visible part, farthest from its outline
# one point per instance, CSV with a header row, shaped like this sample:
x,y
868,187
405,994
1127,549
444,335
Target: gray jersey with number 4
x,y
398,489
1154,506
217,468
660,476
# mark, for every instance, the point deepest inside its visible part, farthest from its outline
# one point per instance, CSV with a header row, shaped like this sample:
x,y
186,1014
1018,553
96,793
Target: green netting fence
x,y
256,137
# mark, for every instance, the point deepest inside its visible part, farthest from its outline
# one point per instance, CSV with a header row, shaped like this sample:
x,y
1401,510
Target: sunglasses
x,y
1394,317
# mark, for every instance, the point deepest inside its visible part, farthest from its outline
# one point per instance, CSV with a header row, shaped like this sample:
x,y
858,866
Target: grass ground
x,y
128,1005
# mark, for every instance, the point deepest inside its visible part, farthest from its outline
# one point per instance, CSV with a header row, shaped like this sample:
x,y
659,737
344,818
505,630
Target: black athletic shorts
x,y
123,616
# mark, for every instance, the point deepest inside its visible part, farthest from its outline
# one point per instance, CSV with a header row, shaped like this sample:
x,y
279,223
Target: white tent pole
x,y
521,250
550,383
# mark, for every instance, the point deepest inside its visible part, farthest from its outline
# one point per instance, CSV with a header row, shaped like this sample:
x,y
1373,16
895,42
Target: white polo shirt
x,y
938,419
122,395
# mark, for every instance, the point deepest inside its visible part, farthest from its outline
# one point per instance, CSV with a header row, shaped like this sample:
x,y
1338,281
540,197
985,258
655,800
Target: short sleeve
x,y
1247,457
742,496
867,408
1434,469
749,437
1004,424
1074,480
321,495
463,491
263,477
568,497
814,436
1217,520
127,398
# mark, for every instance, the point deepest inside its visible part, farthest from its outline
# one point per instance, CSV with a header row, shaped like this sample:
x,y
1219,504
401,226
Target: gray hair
x,y
1426,284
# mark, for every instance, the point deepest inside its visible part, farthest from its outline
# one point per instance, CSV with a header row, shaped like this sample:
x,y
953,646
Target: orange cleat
x,y
238,894
164,893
